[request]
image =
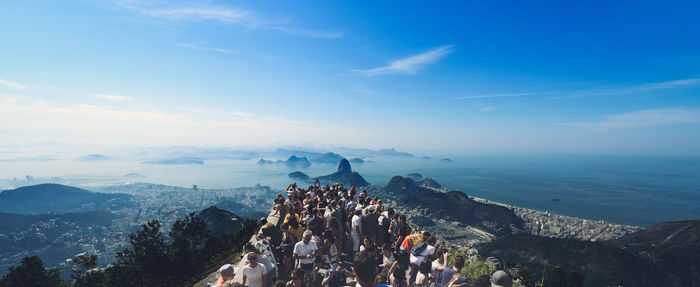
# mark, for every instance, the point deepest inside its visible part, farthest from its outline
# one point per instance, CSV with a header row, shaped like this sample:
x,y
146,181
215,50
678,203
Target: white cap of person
x,y
501,278
227,270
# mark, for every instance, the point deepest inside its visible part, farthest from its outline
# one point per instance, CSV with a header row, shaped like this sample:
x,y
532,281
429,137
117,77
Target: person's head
x,y
293,221
391,212
380,280
386,249
252,258
399,275
249,247
227,271
297,274
365,268
459,262
307,236
439,254
280,283
402,218
501,278
403,258
432,241
333,223
367,242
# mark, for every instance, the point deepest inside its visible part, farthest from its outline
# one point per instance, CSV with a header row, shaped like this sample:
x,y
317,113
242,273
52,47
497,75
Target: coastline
x,y
545,223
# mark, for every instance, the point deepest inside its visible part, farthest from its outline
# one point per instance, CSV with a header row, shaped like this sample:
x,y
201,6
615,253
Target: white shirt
x,y
254,275
417,259
356,222
434,273
302,250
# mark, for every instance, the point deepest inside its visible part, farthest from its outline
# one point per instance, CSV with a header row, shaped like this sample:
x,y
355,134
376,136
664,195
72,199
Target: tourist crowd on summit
x,y
328,234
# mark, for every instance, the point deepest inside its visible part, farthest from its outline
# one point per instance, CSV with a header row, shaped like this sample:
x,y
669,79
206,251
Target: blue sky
x,y
452,77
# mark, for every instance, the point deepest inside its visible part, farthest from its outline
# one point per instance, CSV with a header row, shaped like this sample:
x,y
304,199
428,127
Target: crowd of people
x,y
321,227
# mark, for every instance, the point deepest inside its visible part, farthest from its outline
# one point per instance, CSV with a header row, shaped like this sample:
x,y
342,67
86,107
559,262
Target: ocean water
x,y
621,189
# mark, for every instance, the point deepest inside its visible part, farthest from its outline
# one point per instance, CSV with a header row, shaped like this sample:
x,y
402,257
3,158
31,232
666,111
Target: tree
x,y
189,236
84,273
31,272
526,278
146,263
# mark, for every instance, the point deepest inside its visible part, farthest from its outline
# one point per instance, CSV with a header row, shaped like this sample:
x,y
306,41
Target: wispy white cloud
x,y
176,12
199,46
14,85
366,92
411,65
112,97
580,93
494,96
641,88
642,118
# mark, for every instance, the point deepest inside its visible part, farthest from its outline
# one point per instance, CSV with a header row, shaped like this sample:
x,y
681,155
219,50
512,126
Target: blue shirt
x,y
446,276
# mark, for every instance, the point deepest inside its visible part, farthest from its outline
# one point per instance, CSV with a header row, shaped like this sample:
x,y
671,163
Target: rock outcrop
x,y
455,206
344,175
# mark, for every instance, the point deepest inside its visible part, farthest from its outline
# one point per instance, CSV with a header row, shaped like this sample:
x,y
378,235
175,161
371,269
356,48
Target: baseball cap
x,y
501,278
227,270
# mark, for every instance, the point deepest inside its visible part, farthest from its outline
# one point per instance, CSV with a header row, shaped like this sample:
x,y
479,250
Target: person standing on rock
x,y
254,274
305,251
356,231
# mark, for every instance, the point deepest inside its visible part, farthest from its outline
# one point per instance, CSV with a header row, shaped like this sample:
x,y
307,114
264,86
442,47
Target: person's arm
x,y
328,278
264,279
245,278
444,262
391,270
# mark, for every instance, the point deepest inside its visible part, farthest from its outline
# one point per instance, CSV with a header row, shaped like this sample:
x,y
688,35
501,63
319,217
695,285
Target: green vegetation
x,y
151,260
471,270
31,272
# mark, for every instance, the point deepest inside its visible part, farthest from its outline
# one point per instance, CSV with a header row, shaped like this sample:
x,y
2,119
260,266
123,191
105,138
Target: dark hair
x,y
293,221
299,273
399,276
250,248
280,283
403,258
432,240
387,246
425,267
365,266
390,211
459,261
333,223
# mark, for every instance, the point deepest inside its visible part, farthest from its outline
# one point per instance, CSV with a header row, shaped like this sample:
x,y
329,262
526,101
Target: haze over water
x,y
620,189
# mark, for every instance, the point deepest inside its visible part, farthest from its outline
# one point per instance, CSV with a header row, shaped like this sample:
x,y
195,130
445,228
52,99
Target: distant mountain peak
x,y
344,166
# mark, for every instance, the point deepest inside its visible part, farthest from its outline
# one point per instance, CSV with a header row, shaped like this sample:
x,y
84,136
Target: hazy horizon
x,y
446,78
